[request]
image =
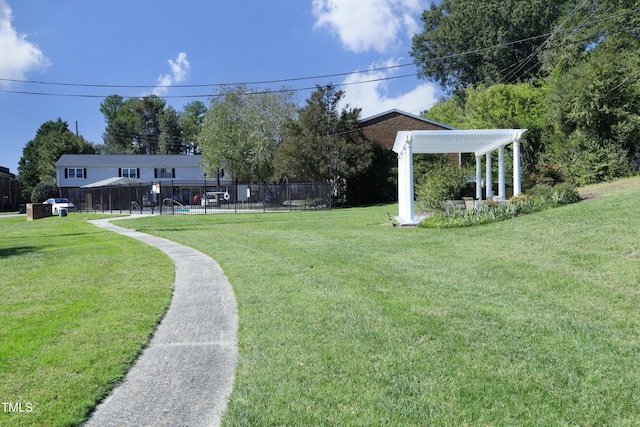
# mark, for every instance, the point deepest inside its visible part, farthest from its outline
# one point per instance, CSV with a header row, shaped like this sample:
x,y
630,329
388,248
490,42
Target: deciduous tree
x,y
475,42
39,156
242,130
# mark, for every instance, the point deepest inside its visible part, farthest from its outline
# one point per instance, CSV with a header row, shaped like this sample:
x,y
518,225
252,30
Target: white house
x,y
81,170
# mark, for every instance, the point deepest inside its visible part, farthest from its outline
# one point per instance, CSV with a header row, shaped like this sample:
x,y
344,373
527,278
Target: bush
x,y
561,194
539,198
588,160
565,194
440,183
549,175
43,191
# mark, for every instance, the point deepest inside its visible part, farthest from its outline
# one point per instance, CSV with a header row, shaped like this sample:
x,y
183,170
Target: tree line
x,y
568,71
148,126
254,135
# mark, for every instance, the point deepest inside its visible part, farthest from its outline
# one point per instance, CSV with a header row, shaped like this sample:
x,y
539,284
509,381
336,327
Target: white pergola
x,y
480,142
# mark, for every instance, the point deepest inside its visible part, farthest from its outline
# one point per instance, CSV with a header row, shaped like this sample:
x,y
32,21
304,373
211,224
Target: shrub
x,y
561,194
43,191
587,159
549,175
565,194
440,183
539,198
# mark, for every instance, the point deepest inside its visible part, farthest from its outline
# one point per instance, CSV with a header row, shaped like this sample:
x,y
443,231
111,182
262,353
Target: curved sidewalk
x,y
185,374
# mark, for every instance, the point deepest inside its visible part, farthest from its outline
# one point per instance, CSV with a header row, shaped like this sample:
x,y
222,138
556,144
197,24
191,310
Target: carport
x,y
479,142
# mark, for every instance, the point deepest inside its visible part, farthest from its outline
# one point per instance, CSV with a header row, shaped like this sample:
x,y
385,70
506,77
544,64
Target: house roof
x,y
382,128
112,182
7,172
394,113
128,160
456,141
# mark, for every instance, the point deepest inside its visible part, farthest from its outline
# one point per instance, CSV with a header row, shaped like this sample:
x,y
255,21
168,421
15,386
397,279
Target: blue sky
x,y
147,43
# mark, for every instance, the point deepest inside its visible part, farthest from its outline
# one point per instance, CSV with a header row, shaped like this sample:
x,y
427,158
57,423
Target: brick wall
x,y
38,210
9,190
383,129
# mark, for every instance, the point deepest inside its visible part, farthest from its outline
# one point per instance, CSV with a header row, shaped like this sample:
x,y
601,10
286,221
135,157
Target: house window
x,y
129,173
165,173
75,173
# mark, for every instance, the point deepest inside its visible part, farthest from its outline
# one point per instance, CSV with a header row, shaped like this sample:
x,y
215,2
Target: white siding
x,y
95,173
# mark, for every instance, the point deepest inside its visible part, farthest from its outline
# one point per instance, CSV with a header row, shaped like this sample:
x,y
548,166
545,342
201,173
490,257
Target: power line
x,y
515,68
263,82
518,66
210,95
626,80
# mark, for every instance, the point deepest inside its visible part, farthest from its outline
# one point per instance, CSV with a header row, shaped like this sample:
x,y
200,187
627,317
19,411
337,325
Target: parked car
x,y
214,198
60,203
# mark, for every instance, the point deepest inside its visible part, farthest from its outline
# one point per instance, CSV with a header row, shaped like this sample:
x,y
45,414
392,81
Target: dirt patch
x,y
590,196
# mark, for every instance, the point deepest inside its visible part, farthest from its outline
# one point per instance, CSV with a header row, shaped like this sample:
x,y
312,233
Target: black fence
x,y
173,197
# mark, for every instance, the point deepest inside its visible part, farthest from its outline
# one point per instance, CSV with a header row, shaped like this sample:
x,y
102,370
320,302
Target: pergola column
x,y
478,177
516,168
488,177
405,184
501,186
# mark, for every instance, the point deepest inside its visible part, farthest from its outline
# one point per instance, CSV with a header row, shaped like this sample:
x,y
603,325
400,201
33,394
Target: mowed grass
x,y
77,304
345,320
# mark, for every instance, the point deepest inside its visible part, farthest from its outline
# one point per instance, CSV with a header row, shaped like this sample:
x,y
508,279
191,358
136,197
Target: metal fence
x,y
173,197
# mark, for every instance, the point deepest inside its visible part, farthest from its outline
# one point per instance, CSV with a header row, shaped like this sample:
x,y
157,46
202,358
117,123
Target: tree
x,y
519,106
191,122
323,144
449,111
522,106
170,139
475,42
39,156
241,131
595,111
148,112
43,191
120,133
588,26
143,126
582,112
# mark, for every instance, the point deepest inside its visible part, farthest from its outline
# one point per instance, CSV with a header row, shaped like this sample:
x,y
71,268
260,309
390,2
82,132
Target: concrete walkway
x,y
185,375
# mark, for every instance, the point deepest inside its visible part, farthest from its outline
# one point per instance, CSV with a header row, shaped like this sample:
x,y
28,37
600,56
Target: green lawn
x,y
76,306
345,320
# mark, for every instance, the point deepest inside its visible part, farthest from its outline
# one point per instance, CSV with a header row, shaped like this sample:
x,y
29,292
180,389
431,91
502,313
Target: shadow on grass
x,y
17,251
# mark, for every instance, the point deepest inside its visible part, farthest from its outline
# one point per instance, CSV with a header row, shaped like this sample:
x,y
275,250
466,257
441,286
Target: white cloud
x,y
365,25
179,70
374,97
18,55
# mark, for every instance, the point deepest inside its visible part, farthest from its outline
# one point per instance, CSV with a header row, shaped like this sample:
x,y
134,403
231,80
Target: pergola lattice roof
x,y
456,141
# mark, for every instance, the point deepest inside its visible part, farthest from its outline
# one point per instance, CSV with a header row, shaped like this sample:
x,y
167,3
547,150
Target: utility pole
x,y
77,128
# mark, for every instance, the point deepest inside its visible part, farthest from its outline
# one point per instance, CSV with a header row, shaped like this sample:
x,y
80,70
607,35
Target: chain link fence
x,y
173,197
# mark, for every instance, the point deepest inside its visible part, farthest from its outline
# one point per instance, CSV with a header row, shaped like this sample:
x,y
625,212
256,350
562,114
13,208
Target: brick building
x,y
383,128
379,183
9,190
